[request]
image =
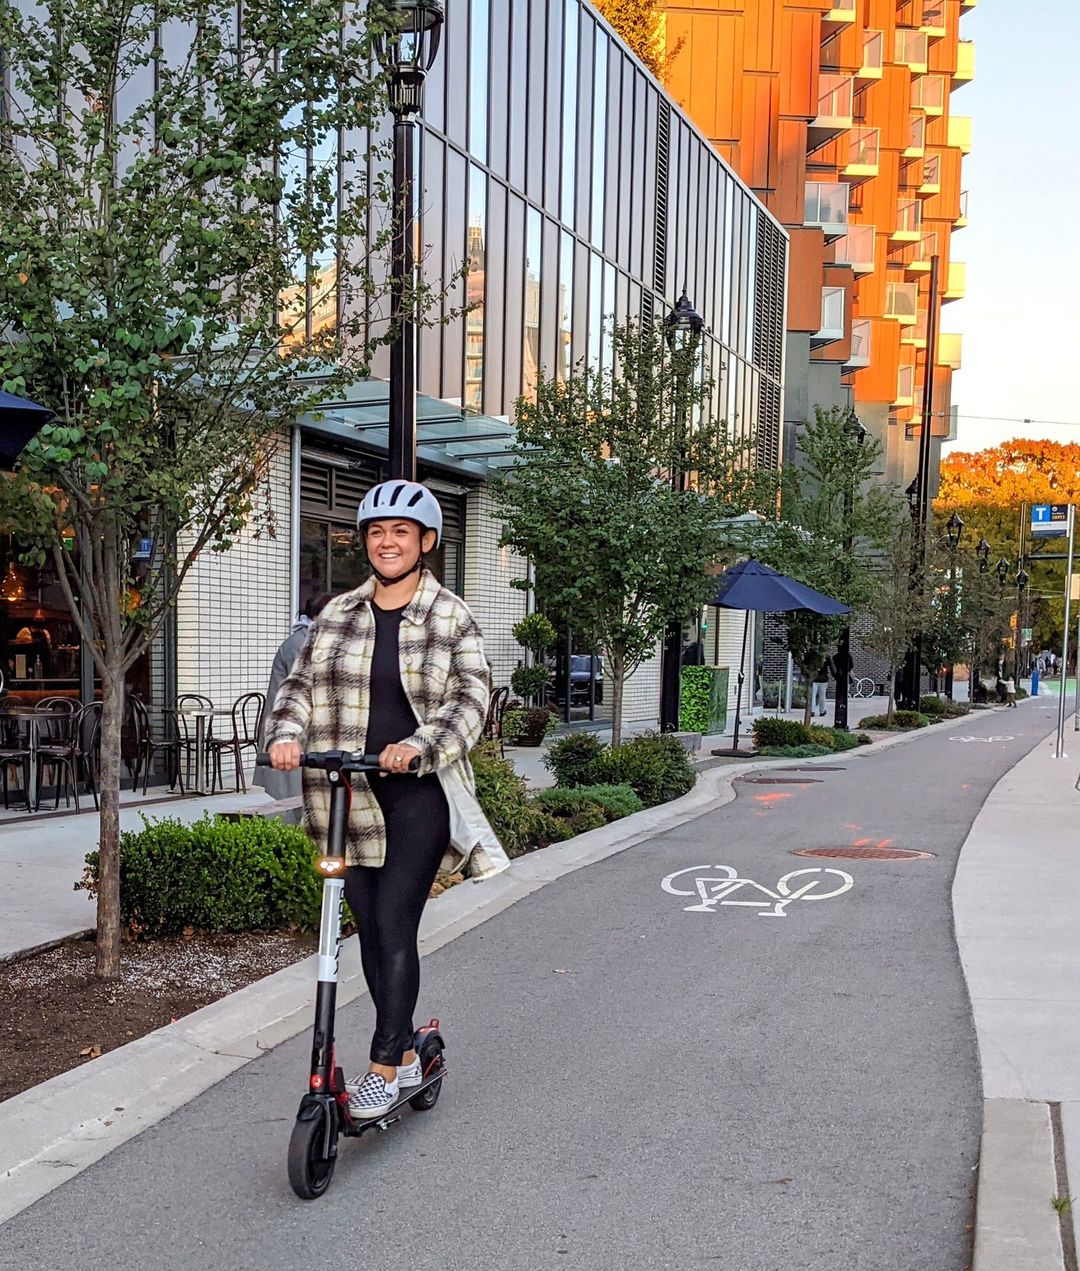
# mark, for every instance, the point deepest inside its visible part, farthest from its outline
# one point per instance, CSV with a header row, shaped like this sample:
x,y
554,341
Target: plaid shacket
x,y
323,703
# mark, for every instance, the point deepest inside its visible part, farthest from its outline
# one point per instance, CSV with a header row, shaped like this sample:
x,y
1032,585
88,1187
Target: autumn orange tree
x,y
988,489
642,25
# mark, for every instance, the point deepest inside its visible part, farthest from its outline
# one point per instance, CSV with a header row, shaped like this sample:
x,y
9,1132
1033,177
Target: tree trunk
x,y
108,900
617,674
892,693
808,712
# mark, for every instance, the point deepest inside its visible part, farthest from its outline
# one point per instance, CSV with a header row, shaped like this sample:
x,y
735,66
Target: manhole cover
x,y
811,768
780,781
865,853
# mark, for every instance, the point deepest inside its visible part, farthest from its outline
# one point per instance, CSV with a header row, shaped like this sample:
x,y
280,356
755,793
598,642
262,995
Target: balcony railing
x,y
917,258
916,138
960,133
864,145
825,205
856,249
965,63
902,301
950,349
931,176
908,221
928,93
933,19
832,316
861,332
905,387
835,98
962,219
841,11
956,286
873,55
912,49
914,336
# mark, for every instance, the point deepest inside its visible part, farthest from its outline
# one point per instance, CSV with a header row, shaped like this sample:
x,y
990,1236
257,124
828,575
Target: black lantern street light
x,y
1021,586
982,551
683,325
954,528
854,431
954,532
406,50
1003,571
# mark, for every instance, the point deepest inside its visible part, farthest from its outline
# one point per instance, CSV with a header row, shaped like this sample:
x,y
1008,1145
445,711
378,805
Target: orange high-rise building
x,y
838,114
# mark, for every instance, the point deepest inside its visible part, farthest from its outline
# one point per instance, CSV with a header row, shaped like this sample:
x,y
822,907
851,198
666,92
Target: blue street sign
x,y
1049,520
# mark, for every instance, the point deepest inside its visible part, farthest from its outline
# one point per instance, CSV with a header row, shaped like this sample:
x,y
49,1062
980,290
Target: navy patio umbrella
x,y
20,420
750,585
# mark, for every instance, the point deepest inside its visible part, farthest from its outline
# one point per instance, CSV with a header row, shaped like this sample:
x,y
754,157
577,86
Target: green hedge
x,y
935,707
615,801
703,699
568,758
253,874
809,750
517,821
769,731
657,767
902,721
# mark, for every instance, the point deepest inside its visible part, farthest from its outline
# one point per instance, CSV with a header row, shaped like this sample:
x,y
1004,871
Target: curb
x,y
55,1130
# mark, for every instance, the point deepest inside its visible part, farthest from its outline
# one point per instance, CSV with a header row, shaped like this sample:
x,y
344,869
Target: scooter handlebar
x,y
348,761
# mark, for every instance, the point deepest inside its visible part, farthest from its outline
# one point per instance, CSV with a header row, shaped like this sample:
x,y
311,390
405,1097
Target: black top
x,y
390,717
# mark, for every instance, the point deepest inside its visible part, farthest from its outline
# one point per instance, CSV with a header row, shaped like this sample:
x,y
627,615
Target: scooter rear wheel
x,y
429,1097
310,1171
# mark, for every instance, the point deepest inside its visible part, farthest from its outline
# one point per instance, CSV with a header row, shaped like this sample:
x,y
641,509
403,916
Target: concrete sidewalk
x,y
1014,902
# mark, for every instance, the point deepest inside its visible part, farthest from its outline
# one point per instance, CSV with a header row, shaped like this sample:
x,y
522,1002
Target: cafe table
x,y
203,717
33,719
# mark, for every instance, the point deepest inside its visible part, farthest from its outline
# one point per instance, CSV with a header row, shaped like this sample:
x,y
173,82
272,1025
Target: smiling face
x,y
394,546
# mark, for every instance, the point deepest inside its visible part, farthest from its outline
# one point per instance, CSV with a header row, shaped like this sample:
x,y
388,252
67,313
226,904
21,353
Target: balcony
x,y
956,284
950,349
965,63
919,257
825,206
861,332
841,12
931,177
933,20
905,387
962,220
873,54
864,146
902,302
928,94
908,222
834,116
960,133
856,249
916,145
832,317
914,336
912,49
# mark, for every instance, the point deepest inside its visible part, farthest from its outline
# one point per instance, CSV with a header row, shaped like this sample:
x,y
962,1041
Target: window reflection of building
x,y
531,349
475,290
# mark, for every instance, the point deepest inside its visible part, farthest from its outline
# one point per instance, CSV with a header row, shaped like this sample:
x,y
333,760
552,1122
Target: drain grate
x,y
781,781
811,768
865,853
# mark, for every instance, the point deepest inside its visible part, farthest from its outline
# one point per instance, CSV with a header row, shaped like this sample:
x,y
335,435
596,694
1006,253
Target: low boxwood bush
x,y
251,874
780,732
531,723
935,707
517,821
657,767
1021,693
809,750
834,738
901,721
614,801
568,758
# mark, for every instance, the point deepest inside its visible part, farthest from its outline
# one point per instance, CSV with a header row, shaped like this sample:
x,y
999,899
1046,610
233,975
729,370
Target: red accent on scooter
x,y
316,1081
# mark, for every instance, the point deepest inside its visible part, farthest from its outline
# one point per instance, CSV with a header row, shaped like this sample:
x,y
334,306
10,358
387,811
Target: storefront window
x,y
38,636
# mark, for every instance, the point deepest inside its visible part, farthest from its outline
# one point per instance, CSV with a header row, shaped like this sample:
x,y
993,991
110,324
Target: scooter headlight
x,y
331,866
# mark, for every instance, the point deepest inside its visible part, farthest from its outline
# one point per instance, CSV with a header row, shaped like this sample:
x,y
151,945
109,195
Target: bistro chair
x,y
246,720
493,724
58,722
60,750
15,753
147,746
186,728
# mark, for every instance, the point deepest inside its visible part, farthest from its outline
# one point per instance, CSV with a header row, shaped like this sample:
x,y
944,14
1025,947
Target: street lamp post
x,y
954,532
682,323
406,53
853,431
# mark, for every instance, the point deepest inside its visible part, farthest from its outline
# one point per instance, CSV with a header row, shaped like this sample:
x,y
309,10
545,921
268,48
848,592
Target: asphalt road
x,y
633,1085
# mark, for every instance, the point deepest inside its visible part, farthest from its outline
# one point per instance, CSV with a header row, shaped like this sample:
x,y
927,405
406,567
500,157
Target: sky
x,y
1020,318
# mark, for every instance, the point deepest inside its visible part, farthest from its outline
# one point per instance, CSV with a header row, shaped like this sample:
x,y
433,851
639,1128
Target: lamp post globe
x,y
407,50
1003,570
1022,579
683,319
982,551
954,529
854,427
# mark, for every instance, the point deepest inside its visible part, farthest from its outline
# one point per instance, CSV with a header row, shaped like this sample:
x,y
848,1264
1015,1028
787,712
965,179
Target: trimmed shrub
x,y
529,724
902,721
935,707
614,801
864,739
568,758
841,740
529,682
780,732
504,798
806,751
821,736
656,766
251,874
1021,693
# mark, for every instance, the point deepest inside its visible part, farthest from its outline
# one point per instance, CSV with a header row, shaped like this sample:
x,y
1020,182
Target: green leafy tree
x,y
170,194
619,553
833,517
642,24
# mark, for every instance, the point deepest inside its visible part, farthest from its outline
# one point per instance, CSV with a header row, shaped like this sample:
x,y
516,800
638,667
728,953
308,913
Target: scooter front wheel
x,y
431,1057
310,1169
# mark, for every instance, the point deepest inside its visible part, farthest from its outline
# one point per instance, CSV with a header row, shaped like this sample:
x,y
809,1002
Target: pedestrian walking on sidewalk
x,y
286,785
395,668
819,703
1010,692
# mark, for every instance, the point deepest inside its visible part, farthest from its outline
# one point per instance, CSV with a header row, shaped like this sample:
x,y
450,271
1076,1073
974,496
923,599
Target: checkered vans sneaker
x,y
372,1096
410,1074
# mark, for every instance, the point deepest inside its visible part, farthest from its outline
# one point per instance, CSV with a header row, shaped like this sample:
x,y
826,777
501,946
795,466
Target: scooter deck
x,y
354,1127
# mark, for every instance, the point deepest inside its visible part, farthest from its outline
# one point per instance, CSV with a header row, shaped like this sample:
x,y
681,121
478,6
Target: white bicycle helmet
x,y
407,499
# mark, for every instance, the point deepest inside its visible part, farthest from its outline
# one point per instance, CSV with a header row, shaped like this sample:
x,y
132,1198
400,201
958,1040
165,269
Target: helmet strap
x,y
389,582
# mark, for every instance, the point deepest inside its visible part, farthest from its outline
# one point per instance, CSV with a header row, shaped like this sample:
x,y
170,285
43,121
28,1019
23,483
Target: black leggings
x,y
387,903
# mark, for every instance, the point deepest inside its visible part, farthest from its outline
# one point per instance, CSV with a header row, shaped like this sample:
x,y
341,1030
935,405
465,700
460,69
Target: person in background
x,y
286,785
1010,691
819,705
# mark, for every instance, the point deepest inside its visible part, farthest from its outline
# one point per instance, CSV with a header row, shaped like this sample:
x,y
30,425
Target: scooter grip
x,y
372,761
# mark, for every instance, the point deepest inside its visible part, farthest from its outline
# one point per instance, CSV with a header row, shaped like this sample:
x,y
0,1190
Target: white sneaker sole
x,y
369,1114
407,1082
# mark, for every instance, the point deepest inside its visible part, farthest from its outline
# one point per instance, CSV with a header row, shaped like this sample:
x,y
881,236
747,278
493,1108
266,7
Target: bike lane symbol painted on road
x,y
716,885
986,739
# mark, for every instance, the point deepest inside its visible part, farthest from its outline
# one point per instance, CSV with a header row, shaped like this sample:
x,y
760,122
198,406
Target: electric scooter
x,y
324,1111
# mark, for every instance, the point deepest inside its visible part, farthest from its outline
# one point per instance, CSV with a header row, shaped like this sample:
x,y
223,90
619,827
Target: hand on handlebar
x,y
285,756
397,758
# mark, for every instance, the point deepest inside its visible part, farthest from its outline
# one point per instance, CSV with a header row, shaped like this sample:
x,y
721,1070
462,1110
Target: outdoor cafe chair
x,y
15,753
187,731
493,724
147,745
61,751
246,718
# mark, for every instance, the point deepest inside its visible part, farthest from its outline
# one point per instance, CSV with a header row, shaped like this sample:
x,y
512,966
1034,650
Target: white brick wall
x,y
641,692
234,609
489,571
724,647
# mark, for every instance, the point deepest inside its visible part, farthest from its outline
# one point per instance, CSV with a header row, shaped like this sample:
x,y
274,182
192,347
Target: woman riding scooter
x,y
395,668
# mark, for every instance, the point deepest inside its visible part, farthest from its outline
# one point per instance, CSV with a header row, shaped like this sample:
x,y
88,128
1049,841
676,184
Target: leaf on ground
x,y
90,1052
